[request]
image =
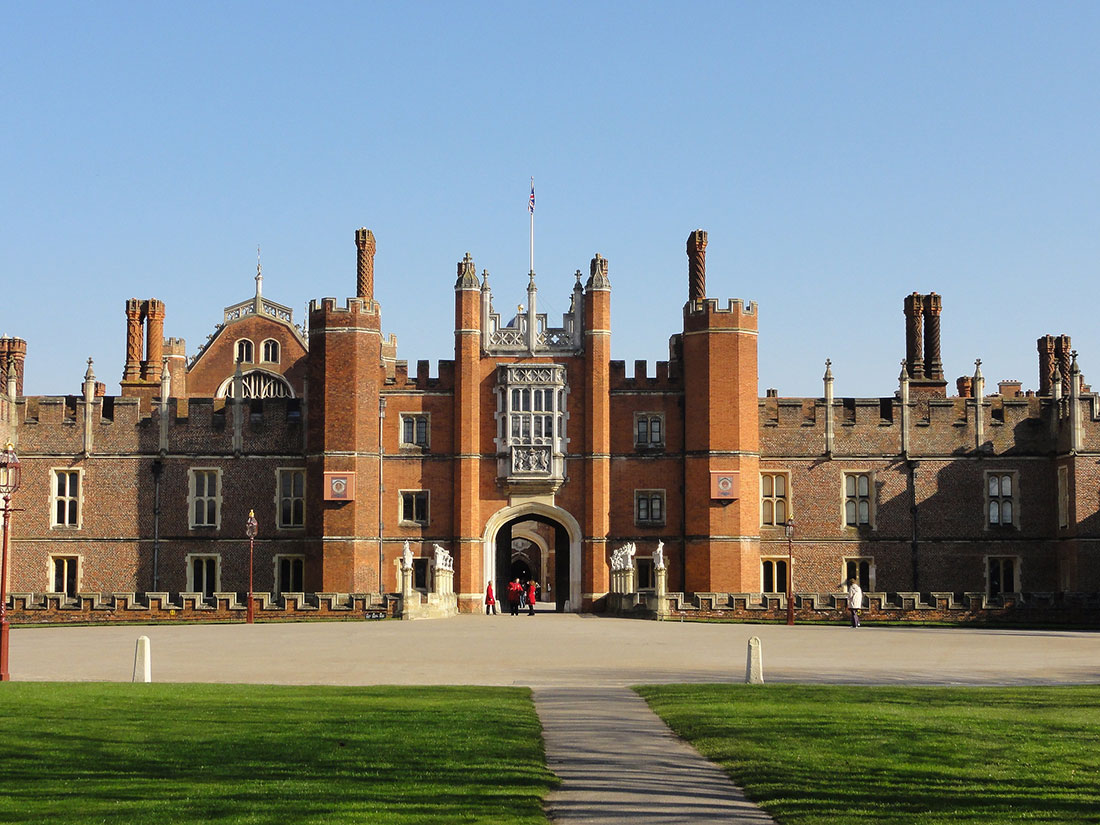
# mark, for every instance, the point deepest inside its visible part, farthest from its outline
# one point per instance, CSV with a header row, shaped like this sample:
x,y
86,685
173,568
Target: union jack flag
x,y
531,200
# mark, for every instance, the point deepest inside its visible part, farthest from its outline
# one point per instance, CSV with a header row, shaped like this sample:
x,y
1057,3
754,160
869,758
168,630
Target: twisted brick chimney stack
x,y
364,242
1054,352
697,265
922,344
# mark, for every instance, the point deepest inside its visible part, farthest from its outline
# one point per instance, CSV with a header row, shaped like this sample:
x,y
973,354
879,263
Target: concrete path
x,y
618,763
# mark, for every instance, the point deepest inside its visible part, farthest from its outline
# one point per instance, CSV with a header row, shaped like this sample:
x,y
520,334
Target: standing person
x,y
490,600
855,600
531,587
515,590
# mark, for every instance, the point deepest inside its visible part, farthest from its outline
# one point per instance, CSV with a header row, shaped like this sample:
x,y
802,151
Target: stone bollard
x,y
143,663
754,668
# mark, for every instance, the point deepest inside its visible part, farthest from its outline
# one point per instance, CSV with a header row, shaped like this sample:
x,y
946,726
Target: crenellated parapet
x,y
709,313
122,425
330,307
442,381
662,379
937,426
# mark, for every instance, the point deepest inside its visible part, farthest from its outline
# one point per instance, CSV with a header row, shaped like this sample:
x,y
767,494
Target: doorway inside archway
x,y
534,547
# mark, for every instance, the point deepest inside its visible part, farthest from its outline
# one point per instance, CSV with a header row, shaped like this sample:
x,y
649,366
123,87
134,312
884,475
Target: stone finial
x,y
485,279
697,265
259,276
828,376
598,278
467,273
89,374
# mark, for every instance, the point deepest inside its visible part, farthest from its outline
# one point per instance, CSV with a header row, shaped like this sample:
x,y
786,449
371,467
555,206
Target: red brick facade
x,y
532,453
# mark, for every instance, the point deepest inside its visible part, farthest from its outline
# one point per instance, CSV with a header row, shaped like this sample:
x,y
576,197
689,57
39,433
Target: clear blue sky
x,y
839,154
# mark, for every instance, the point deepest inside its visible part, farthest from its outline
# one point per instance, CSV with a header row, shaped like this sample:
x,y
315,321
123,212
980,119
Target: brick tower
x,y
595,571
721,437
345,373
466,501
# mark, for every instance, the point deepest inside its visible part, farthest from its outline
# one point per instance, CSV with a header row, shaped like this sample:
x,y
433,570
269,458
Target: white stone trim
x,y
534,508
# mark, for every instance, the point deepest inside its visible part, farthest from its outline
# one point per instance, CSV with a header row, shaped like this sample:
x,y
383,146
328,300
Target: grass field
x,y
95,753
812,755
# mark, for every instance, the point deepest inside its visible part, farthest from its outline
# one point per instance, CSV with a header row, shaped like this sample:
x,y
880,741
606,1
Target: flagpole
x,y
531,209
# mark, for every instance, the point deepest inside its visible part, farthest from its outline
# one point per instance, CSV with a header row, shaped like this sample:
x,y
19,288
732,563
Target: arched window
x,y
244,351
271,351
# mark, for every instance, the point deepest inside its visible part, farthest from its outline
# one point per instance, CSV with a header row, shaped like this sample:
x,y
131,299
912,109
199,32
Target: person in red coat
x,y
514,591
490,600
531,597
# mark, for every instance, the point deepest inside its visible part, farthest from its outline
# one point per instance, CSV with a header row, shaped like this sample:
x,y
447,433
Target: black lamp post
x,y
789,530
250,529
10,476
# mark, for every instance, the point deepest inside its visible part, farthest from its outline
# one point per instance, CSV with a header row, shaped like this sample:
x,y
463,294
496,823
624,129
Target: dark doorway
x,y
519,569
508,567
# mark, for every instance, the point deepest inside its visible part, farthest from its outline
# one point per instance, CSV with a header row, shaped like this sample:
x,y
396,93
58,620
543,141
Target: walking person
x,y
531,593
855,600
515,590
490,600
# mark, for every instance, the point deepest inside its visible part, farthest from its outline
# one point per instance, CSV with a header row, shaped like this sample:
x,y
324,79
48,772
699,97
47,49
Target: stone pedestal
x,y
441,602
661,575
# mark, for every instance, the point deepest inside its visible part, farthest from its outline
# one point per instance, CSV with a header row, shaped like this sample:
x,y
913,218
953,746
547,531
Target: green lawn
x,y
812,755
94,753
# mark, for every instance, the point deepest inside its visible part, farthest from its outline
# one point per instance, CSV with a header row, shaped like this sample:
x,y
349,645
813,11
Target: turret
x,y
721,436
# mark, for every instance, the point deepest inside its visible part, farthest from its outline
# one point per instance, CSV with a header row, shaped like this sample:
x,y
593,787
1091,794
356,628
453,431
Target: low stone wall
x,y
1069,609
95,608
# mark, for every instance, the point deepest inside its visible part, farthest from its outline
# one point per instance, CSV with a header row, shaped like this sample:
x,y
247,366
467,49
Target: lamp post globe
x,y
10,477
251,528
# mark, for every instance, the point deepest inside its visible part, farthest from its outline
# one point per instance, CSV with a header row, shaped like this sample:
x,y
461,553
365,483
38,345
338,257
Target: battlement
x,y
54,424
352,306
662,379
442,381
705,313
709,306
106,608
1068,609
1020,425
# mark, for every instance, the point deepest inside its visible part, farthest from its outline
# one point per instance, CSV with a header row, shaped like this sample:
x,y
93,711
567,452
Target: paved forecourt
x,y
554,650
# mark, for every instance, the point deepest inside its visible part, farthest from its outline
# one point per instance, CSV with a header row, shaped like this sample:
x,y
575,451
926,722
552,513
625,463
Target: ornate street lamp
x,y
250,529
10,476
789,530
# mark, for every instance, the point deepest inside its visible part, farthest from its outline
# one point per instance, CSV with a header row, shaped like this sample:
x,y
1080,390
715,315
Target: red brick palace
x,y
532,453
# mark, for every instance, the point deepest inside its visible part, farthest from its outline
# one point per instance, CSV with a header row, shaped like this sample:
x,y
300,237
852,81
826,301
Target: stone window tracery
x,y
532,415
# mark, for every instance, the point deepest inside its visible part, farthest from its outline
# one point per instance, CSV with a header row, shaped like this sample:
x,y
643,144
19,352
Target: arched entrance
x,y
536,541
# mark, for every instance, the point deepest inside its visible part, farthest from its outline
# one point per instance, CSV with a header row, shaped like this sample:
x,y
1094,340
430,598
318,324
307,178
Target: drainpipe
x,y
158,469
683,500
381,521
913,514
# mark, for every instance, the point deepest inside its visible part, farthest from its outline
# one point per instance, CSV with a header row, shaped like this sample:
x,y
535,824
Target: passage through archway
x,y
536,542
